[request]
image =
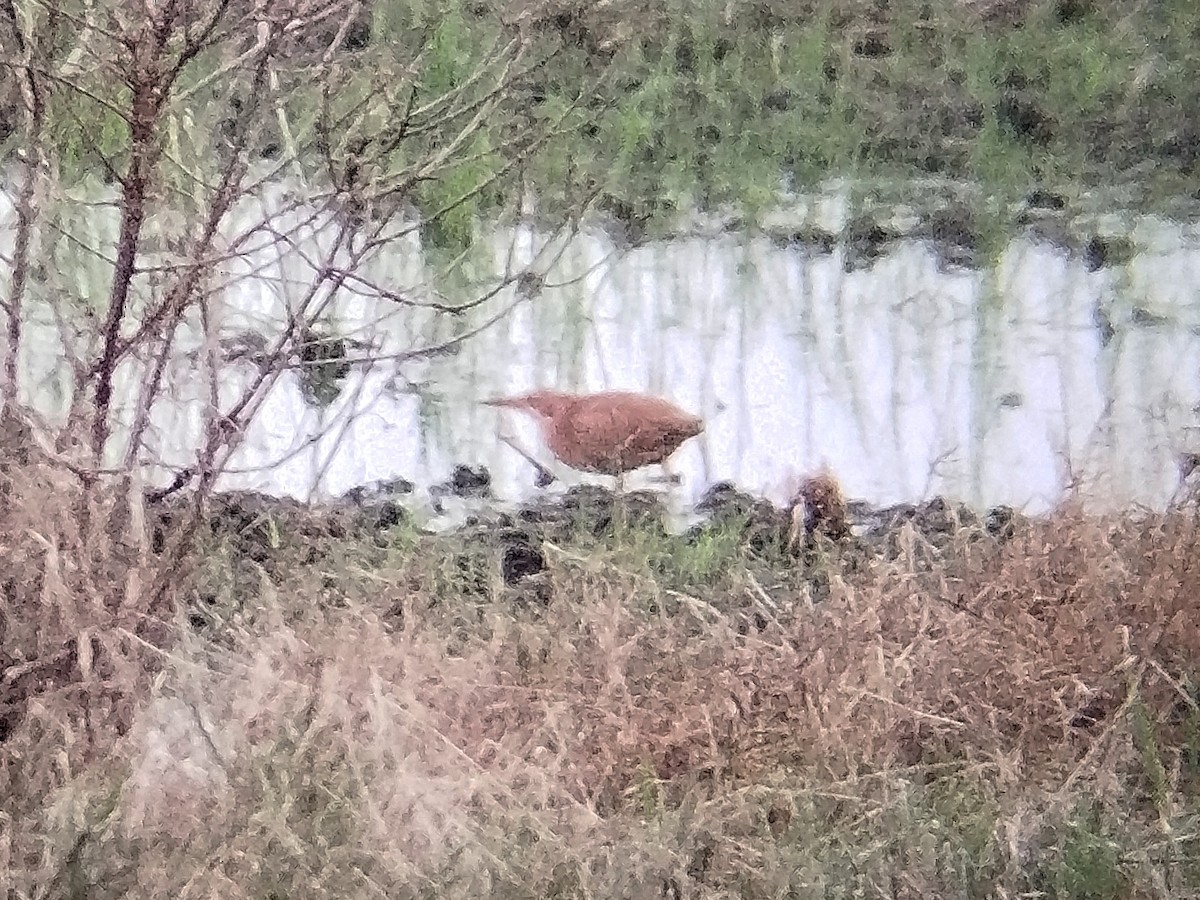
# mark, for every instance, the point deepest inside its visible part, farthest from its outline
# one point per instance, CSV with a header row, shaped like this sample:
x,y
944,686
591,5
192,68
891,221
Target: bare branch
x,y
162,320
27,207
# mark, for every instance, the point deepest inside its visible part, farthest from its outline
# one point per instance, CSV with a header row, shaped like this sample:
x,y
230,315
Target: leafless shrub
x,y
204,117
234,137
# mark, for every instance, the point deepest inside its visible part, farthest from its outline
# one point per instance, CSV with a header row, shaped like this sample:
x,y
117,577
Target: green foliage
x,y
82,132
450,55
456,198
1191,732
690,561
963,814
711,103
1145,739
1086,864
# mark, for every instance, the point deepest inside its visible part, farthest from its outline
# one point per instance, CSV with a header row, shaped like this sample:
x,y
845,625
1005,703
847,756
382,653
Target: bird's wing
x,y
632,425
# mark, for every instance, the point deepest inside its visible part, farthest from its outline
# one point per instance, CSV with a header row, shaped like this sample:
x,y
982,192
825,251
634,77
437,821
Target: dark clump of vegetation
x,y
577,702
323,367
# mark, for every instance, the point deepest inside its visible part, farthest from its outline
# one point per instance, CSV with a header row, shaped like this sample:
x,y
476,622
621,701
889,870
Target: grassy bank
x,y
717,103
947,712
706,104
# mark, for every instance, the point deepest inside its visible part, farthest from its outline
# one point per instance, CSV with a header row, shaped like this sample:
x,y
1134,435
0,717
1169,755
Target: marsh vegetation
x,y
210,695
568,703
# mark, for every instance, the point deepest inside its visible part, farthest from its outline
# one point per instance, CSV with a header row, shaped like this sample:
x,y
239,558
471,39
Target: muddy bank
x,y
818,534
588,510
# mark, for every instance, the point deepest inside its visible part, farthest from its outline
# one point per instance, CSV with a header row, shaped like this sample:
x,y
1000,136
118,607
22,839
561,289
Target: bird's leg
x,y
545,477
619,518
670,477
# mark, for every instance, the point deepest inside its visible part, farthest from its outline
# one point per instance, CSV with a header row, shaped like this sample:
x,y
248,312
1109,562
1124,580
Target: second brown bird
x,y
610,433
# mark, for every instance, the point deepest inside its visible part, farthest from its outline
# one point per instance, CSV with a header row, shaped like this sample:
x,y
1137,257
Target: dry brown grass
x,y
364,726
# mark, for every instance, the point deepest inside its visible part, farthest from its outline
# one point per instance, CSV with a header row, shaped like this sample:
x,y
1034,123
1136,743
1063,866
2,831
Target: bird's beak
x,y
518,403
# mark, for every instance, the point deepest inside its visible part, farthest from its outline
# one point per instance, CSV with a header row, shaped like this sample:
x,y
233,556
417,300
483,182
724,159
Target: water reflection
x,y
905,377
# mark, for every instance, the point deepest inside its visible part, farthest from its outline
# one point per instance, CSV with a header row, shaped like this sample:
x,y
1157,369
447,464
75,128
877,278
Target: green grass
x,y
703,110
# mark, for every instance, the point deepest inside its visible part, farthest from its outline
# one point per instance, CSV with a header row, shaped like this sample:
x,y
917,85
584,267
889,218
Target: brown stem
x,y
165,319
26,216
27,207
150,84
146,107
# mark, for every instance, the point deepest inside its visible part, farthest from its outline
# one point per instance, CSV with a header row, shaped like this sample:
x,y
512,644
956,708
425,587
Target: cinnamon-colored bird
x,y
611,433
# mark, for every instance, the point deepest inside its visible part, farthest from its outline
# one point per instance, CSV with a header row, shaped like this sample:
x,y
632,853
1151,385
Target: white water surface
x,y
906,380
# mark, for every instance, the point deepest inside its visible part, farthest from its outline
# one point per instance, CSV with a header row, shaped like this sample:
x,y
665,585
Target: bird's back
x,y
616,431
